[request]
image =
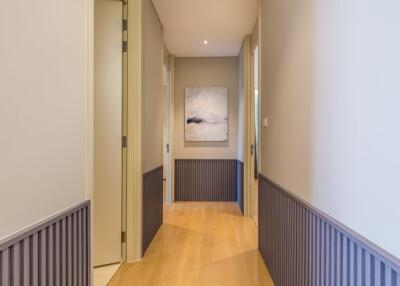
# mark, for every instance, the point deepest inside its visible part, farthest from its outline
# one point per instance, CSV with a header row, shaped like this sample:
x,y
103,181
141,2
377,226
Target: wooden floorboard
x,y
200,243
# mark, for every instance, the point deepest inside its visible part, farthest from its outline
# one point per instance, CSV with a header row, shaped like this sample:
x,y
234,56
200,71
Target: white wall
x,y
330,84
42,96
206,72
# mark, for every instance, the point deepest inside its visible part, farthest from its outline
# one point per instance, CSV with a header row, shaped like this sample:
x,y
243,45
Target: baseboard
x,y
302,246
53,252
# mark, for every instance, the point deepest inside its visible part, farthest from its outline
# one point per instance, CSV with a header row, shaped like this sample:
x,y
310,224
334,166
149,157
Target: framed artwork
x,y
206,114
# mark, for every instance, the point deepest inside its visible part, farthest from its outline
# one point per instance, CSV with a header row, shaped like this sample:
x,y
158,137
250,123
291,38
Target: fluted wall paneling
x,y
55,252
302,246
206,180
152,206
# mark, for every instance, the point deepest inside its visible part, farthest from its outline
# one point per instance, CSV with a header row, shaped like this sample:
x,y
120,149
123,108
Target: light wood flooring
x,y
200,244
102,275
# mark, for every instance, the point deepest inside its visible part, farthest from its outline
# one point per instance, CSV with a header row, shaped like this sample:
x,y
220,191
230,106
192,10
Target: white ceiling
x,y
223,23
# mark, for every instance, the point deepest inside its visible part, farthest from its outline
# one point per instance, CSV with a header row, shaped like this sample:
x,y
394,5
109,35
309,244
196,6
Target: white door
x,y
255,148
107,132
167,136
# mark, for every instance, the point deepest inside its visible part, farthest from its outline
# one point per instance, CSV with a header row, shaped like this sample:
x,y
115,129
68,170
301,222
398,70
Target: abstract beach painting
x,y
206,114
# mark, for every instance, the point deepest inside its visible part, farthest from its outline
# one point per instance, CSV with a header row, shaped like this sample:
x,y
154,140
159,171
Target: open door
x,y
254,133
168,140
107,132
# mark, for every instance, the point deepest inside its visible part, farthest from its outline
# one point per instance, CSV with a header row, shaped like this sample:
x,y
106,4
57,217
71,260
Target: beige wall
x,y
43,85
330,89
152,112
206,72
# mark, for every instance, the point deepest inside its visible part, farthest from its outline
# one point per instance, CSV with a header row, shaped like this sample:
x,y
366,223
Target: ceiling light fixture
x,y
205,42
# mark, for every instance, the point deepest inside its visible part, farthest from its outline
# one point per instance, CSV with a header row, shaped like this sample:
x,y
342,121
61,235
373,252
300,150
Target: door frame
x,y
134,192
248,101
172,125
255,144
168,127
125,135
133,79
247,126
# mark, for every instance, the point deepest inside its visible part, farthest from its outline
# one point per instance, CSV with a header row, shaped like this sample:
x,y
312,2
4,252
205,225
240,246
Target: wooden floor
x,y
200,244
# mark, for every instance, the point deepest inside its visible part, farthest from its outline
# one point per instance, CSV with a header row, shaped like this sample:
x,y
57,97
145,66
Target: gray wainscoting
x,y
302,246
54,252
206,180
152,208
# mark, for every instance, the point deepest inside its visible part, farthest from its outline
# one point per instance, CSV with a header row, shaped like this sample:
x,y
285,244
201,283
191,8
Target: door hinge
x,y
124,46
124,25
167,148
123,236
124,141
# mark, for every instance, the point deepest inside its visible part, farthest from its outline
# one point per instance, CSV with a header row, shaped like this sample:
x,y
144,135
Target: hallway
x,y
200,142
200,243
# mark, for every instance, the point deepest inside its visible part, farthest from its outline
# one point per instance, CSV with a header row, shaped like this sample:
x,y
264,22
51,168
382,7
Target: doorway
x,y
255,133
168,131
109,222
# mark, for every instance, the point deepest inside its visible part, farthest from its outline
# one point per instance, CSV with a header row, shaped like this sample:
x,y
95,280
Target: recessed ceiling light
x,y
205,42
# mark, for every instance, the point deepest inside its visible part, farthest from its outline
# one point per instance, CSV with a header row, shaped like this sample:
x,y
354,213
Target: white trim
x,y
247,125
124,133
259,44
172,124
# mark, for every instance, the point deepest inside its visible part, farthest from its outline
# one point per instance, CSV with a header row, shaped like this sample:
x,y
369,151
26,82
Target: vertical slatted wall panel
x,y
53,253
152,207
303,247
206,180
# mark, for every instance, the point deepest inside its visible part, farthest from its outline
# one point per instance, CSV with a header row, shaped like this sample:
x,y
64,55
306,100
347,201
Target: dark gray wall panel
x,y
152,208
302,246
54,252
240,185
206,180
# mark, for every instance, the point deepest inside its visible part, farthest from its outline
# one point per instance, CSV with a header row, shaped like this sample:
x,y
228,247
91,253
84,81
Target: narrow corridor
x,y
200,243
